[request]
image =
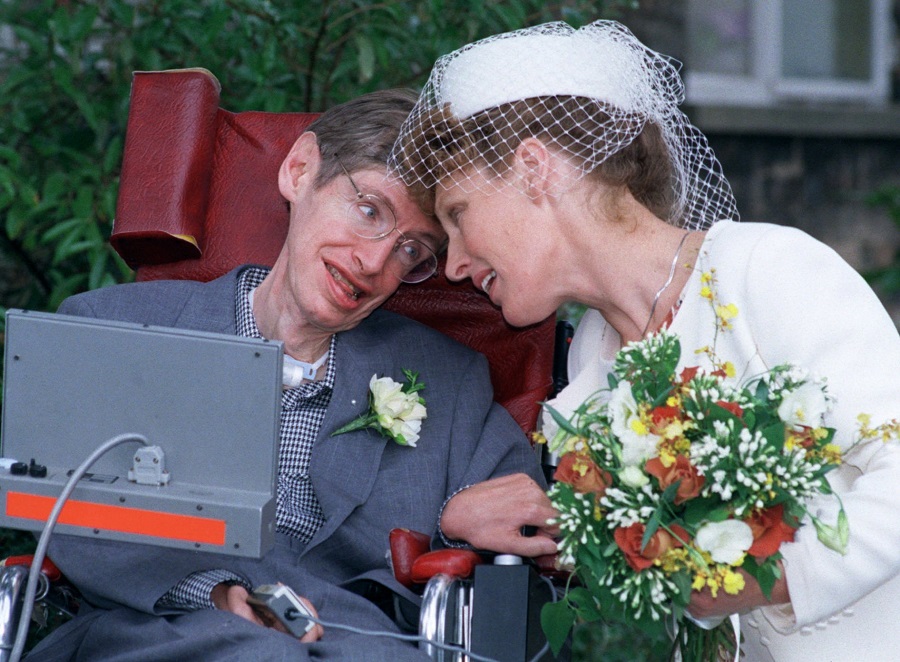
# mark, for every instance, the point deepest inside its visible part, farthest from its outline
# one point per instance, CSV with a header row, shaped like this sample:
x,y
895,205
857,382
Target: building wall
x,y
811,166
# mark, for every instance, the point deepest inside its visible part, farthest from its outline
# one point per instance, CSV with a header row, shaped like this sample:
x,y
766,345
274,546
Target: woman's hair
x,y
597,97
570,126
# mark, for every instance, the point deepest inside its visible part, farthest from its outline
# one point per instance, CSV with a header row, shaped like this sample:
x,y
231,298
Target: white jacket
x,y
799,302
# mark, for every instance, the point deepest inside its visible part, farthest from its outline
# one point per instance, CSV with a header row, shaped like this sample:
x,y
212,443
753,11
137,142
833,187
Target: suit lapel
x,y
344,467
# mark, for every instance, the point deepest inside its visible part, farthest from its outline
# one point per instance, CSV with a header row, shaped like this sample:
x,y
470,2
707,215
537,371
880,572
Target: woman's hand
x,y
704,605
490,515
233,598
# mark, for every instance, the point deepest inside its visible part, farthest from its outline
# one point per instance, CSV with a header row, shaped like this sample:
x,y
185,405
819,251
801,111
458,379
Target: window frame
x,y
766,86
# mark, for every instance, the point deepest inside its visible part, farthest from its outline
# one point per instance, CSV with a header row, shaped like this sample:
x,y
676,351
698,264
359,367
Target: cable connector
x,y
149,467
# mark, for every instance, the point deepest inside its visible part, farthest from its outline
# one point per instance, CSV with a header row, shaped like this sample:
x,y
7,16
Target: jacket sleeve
x,y
809,307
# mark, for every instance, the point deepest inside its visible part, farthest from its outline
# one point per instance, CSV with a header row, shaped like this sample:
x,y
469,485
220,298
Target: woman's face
x,y
499,239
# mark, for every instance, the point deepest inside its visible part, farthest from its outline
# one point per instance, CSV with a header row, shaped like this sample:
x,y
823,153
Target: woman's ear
x,y
300,166
533,165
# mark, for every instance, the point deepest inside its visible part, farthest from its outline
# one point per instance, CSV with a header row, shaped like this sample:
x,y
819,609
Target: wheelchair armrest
x,y
457,563
48,567
413,564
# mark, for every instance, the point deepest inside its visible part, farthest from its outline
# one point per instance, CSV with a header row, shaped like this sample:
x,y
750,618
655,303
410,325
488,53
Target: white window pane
x,y
720,36
826,39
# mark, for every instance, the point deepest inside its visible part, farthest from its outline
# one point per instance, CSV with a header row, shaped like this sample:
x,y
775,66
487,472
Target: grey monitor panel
x,y
211,402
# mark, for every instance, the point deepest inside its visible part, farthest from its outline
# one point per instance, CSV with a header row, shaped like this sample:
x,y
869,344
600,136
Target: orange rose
x,y
769,531
733,407
662,416
628,538
687,374
691,482
580,471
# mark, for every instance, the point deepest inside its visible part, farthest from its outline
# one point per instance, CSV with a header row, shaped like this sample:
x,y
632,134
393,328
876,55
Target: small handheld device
x,y
280,602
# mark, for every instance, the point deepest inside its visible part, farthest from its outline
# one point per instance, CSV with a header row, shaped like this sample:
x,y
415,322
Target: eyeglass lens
x,y
372,218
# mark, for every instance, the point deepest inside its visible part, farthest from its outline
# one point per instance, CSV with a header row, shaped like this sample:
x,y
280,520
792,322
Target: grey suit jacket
x,y
365,484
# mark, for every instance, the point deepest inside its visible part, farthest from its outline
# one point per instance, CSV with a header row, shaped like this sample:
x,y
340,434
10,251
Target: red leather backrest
x,y
198,196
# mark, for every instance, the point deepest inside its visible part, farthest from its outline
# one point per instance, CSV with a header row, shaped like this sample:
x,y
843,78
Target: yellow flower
x,y
666,456
673,430
728,312
831,453
538,438
638,426
729,369
733,582
706,277
699,582
790,442
706,292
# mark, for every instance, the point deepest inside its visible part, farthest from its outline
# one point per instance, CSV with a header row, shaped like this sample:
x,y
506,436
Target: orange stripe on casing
x,y
119,518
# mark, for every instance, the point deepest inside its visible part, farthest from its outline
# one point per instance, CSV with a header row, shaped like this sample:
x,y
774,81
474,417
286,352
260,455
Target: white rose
x,y
388,398
398,412
804,406
622,408
632,476
638,445
725,541
408,431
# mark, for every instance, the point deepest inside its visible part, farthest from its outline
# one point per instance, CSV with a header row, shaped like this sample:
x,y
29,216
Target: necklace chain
x,y
666,284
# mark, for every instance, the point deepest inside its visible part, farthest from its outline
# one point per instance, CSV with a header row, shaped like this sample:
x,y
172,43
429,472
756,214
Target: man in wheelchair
x,y
353,237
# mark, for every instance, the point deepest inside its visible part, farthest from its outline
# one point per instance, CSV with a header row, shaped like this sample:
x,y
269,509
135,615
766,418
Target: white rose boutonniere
x,y
396,410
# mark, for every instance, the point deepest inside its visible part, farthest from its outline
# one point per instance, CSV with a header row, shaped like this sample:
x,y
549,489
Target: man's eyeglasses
x,y
371,217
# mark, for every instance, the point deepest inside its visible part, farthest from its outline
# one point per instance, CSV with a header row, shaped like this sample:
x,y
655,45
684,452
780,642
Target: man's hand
x,y
234,599
490,515
704,605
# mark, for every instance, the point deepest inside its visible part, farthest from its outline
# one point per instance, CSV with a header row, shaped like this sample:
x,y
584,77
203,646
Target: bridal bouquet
x,y
674,480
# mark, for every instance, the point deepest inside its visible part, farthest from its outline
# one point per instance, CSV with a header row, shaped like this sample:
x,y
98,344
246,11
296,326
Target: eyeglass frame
x,y
403,239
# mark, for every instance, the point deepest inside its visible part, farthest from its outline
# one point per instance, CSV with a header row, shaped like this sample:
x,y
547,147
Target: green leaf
x,y
366,58
557,620
561,421
765,573
363,421
15,222
584,603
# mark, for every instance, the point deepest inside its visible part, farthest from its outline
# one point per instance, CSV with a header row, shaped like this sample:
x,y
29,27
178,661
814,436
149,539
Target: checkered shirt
x,y
298,513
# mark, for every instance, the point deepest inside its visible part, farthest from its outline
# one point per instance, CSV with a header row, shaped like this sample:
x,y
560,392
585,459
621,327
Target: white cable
x,y
40,551
417,638
401,637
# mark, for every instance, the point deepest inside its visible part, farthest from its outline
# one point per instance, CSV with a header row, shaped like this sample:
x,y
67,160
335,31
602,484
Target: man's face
x,y
336,278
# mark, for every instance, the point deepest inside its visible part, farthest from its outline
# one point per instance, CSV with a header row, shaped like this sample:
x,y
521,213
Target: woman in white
x,y
564,171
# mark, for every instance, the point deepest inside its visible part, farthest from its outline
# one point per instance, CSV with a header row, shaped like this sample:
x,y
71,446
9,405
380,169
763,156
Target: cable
x,y
555,595
419,639
40,551
402,637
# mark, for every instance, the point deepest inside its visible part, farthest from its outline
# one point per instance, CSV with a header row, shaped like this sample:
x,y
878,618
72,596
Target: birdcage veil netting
x,y
586,93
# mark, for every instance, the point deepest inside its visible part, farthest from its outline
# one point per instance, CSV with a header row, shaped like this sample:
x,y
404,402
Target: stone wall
x,y
819,185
